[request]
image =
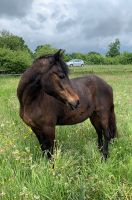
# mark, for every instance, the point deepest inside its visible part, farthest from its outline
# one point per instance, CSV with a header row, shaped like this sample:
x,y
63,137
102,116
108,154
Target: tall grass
x,y
78,172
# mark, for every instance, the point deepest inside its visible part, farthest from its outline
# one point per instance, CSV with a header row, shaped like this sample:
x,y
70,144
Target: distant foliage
x,y
48,49
94,59
14,61
114,49
15,56
78,55
44,49
12,42
126,58
93,52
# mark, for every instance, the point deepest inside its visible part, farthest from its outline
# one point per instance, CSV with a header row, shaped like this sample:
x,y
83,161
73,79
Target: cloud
x,y
65,25
73,24
14,8
41,17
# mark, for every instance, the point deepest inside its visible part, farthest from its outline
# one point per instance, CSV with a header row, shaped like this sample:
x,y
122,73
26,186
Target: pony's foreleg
x,y
46,138
100,137
95,122
47,145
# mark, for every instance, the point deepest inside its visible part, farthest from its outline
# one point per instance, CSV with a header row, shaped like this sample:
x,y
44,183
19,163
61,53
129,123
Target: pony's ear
x,y
59,54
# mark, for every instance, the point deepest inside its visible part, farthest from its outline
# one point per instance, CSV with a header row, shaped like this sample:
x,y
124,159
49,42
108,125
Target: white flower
x,y
2,125
2,194
36,197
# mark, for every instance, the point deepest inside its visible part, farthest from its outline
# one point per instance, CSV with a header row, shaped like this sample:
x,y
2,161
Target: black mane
x,y
64,67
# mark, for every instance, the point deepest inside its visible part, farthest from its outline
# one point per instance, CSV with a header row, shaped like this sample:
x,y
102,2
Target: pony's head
x,y
55,80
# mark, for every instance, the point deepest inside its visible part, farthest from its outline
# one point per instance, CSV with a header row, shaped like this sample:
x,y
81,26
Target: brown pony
x,y
48,98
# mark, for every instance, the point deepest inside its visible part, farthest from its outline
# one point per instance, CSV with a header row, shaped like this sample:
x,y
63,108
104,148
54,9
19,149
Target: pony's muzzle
x,y
74,104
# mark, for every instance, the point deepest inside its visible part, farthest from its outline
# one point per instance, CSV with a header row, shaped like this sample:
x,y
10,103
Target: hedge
x,y
14,61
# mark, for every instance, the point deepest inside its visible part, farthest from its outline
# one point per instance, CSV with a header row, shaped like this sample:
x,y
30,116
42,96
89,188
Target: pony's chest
x,y
27,119
31,115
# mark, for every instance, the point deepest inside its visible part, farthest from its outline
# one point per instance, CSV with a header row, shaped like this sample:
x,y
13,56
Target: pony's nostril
x,y
78,102
74,104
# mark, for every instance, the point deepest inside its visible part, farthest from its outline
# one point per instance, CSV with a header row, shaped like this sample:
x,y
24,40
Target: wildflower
x,y
2,194
1,150
27,149
2,125
24,191
16,152
36,197
30,131
32,166
30,158
17,158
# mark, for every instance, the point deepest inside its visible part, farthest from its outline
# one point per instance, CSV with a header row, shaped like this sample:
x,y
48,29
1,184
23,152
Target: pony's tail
x,y
112,123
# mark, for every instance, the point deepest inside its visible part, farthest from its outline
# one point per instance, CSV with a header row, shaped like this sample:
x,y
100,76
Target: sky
x,y
73,25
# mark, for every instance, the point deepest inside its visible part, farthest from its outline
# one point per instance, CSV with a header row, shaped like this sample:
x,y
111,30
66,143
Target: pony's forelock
x,y
58,58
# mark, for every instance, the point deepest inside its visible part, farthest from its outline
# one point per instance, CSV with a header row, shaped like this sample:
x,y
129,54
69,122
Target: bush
x,y
126,58
14,61
112,60
43,50
94,59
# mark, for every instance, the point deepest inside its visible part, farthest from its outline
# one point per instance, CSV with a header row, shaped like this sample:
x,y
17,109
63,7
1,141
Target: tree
x,y
44,49
15,56
94,59
78,55
93,53
67,57
12,42
14,61
114,49
126,58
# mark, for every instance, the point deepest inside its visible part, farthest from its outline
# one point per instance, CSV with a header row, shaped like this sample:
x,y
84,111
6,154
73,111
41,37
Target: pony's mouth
x,y
74,105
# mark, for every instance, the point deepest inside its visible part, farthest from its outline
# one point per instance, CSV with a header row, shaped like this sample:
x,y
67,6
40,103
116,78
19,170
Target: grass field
x,y
78,172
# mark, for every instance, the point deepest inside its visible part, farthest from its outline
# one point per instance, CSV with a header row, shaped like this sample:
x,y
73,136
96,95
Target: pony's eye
x,y
61,76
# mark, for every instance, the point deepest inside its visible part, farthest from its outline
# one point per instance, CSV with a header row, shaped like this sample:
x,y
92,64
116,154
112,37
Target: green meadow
x,y
78,173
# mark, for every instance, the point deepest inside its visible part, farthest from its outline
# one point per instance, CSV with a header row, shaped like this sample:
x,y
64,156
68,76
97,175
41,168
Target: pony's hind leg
x,y
107,139
112,123
108,123
46,137
104,120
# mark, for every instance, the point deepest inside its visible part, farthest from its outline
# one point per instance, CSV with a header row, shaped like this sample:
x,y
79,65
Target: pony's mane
x,y
64,67
60,61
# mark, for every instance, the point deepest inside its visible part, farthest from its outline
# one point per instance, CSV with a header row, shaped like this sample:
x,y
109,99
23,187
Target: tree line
x,y
15,55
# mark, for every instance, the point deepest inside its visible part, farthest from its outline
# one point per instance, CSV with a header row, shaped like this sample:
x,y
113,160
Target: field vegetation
x,y
78,172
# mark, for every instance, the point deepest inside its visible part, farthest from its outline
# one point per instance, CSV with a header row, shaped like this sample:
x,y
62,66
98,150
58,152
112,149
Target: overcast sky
x,y
74,25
